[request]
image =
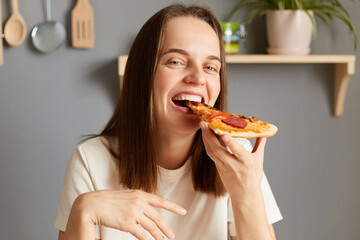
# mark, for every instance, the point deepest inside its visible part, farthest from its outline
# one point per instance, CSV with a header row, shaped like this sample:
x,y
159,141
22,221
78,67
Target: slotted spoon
x,y
82,25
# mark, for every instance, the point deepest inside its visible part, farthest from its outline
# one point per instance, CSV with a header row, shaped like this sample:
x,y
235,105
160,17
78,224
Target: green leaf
x,y
313,22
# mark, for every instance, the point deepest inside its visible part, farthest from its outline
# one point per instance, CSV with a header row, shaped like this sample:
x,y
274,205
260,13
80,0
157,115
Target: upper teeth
x,y
193,98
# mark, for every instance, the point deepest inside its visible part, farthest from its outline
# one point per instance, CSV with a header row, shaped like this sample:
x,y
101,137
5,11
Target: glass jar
x,y
231,37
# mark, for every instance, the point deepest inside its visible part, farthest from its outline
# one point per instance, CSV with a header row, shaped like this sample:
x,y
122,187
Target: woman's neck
x,y
173,151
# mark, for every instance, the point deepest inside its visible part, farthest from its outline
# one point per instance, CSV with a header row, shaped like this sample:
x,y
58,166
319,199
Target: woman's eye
x,y
211,68
174,62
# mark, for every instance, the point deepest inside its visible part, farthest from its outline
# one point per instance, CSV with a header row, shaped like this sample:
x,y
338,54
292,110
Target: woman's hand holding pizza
x,y
240,171
124,210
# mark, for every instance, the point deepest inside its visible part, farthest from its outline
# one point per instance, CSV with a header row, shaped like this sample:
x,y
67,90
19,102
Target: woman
x,y
152,171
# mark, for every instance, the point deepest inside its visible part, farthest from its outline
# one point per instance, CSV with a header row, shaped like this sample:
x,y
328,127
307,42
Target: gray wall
x,y
47,101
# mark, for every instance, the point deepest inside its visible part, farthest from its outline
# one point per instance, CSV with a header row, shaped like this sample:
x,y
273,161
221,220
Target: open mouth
x,y
180,100
180,103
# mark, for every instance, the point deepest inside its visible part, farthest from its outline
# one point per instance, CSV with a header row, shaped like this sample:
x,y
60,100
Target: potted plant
x,y
280,14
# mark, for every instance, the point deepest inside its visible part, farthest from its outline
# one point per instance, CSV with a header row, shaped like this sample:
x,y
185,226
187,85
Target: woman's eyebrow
x,y
213,57
176,50
184,52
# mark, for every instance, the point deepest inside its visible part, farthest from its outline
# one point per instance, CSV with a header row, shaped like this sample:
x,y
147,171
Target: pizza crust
x,y
239,134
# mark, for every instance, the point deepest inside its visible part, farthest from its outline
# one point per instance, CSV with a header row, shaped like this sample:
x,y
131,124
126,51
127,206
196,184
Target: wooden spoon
x,y
15,27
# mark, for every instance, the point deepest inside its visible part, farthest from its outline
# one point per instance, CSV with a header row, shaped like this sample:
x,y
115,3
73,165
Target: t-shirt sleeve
x,y
77,181
272,210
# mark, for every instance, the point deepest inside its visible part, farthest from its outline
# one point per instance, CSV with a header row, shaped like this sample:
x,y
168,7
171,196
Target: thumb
x,y
259,145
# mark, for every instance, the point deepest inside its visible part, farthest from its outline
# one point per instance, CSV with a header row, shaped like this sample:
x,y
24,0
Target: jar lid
x,y
232,25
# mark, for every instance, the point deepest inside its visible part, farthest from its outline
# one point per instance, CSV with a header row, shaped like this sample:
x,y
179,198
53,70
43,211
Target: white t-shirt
x,y
91,167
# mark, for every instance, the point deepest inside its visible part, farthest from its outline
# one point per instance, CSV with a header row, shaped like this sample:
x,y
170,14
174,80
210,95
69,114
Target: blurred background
x,y
49,100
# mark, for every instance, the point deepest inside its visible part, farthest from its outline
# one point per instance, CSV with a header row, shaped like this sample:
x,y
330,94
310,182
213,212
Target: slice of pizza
x,y
234,125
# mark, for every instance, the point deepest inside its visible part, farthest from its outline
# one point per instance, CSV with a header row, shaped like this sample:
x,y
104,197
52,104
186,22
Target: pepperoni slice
x,y
218,115
235,122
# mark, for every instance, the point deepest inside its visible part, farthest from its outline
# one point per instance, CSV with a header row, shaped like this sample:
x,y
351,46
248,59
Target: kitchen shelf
x,y
344,68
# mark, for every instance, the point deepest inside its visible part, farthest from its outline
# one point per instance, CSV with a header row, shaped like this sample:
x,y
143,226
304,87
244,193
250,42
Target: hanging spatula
x,y
82,25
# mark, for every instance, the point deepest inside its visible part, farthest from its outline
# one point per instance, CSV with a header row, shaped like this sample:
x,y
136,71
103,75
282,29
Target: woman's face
x,y
188,68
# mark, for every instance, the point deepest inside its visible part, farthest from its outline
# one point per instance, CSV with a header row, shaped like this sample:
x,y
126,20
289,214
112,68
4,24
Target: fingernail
x,y
225,138
171,236
183,211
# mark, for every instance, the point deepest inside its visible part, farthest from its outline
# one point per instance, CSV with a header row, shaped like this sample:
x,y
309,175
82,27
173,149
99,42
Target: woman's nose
x,y
195,76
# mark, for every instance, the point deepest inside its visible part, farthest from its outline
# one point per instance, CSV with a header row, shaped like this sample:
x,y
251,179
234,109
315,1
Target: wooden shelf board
x,y
344,68
266,58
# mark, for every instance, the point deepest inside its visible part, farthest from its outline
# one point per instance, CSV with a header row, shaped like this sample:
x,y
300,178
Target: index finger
x,y
161,202
209,137
235,148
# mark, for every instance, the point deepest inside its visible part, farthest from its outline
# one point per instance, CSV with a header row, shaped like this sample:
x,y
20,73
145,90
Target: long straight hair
x,y
132,125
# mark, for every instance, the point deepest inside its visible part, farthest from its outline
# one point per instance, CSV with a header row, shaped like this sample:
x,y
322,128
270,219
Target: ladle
x,y
49,35
15,27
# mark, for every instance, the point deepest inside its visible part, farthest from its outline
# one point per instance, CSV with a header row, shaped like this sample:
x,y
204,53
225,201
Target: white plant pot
x,y
289,32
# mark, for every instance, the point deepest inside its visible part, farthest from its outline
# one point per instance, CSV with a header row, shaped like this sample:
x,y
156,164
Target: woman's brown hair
x,y
132,124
